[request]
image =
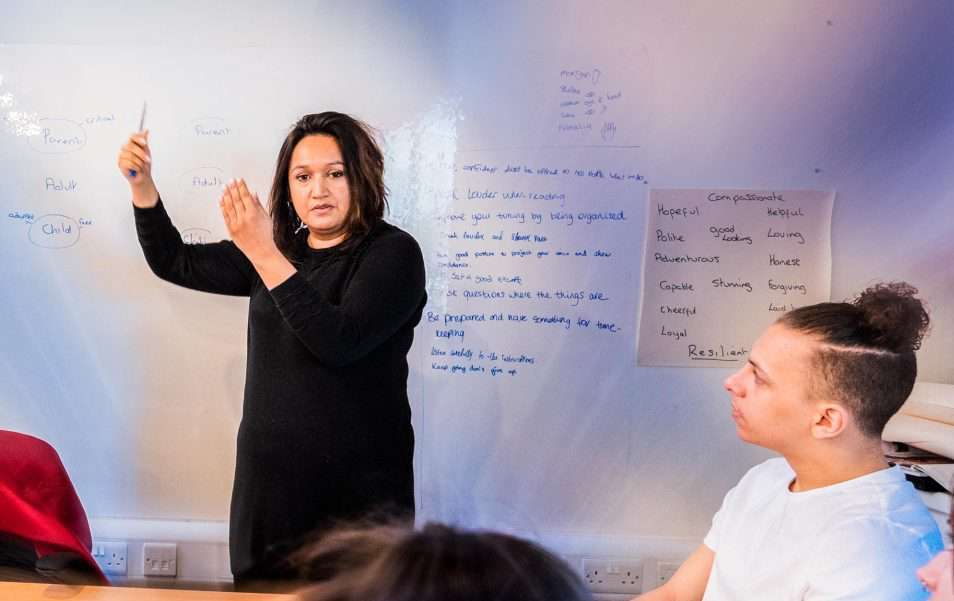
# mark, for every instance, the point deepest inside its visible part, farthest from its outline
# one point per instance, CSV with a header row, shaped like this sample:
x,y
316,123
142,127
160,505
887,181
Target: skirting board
x,y
203,547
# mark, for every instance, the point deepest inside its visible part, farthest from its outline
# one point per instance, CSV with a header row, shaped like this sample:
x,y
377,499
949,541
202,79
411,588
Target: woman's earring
x,y
301,224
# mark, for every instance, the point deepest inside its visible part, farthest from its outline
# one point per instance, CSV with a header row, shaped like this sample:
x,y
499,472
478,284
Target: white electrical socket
x,y
159,559
613,575
657,572
111,557
665,570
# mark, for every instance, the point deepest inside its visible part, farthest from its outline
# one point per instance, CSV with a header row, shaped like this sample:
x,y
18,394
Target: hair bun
x,y
898,320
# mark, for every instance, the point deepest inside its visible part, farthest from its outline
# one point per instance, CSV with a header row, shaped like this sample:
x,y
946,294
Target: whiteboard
x,y
138,384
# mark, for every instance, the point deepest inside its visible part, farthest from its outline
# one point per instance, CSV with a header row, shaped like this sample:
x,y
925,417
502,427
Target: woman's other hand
x,y
135,163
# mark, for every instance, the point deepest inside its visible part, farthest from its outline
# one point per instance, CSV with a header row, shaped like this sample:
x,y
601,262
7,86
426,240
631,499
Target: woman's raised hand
x,y
249,225
135,163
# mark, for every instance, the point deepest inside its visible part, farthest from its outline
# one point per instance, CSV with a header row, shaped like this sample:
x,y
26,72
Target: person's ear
x,y
829,420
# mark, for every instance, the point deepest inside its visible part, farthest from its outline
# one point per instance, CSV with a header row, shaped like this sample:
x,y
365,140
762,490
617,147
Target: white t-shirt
x,y
859,540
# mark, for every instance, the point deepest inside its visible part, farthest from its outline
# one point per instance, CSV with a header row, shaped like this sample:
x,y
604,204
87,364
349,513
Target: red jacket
x,y
37,499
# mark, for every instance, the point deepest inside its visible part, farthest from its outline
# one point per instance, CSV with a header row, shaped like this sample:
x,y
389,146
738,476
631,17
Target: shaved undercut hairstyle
x,y
865,359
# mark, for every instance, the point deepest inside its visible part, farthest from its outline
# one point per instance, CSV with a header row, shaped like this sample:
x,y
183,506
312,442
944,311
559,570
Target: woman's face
x,y
319,189
938,576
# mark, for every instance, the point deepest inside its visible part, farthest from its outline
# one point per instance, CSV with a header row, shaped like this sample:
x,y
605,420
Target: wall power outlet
x,y
657,572
665,571
111,557
159,559
622,576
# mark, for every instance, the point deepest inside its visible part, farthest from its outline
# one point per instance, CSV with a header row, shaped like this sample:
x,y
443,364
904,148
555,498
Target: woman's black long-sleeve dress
x,y
326,431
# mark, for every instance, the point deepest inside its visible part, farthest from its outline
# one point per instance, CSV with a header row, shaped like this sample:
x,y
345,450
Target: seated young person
x,y
829,519
436,563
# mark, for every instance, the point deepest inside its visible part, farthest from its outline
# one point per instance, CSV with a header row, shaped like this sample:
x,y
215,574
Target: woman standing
x,y
335,293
